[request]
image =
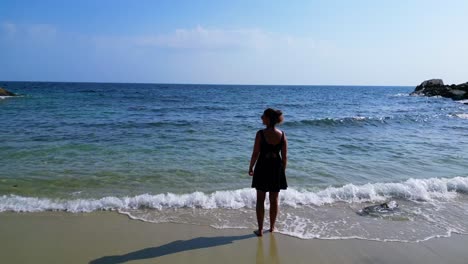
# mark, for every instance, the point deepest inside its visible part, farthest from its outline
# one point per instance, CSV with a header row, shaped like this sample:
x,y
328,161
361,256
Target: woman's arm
x,y
255,153
284,152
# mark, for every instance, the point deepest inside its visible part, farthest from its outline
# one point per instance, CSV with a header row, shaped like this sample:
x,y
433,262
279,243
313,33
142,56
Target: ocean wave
x,y
356,120
204,107
400,95
130,124
365,120
6,97
432,189
197,108
462,115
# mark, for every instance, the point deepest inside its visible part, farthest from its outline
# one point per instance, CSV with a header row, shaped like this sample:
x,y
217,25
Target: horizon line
x,y
213,84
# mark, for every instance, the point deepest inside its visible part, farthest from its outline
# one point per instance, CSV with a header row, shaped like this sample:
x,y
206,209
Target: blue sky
x,y
235,42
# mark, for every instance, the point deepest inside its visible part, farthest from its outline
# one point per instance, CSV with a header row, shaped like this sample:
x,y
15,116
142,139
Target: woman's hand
x,y
251,172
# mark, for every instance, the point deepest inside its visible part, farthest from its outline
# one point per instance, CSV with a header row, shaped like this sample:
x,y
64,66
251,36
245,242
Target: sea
x,y
180,153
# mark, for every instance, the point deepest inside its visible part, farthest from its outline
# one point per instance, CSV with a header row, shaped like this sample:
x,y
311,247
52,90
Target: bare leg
x,y
273,209
260,209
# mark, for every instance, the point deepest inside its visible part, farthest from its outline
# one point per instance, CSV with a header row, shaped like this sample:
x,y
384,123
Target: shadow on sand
x,y
171,248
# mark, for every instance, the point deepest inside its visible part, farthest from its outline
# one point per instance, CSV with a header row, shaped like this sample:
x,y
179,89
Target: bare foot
x,y
272,230
258,233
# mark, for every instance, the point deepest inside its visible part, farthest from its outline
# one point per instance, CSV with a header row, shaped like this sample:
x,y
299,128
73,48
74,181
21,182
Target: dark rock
x,y
375,210
4,92
436,87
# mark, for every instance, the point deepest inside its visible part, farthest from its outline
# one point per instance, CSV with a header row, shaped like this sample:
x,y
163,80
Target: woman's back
x,y
272,137
269,174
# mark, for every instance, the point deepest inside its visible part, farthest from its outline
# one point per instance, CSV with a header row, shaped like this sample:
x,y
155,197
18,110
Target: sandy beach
x,y
107,237
152,131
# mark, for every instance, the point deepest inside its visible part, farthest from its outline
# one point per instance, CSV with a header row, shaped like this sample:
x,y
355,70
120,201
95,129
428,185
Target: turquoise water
x,y
178,146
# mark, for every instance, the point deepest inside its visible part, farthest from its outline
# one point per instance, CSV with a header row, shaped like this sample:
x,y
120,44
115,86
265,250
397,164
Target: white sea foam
x,y
427,208
360,118
400,95
6,97
462,115
433,189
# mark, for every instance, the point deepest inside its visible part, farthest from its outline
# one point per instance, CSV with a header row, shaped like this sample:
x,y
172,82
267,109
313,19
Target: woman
x,y
269,174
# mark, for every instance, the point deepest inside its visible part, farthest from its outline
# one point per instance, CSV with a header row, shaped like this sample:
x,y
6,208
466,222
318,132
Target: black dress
x,y
269,175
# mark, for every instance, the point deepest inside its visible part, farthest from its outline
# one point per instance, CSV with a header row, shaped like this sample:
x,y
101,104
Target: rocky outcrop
x,y
4,92
436,87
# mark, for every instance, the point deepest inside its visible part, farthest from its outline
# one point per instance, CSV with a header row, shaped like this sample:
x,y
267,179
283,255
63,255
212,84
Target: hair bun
x,y
275,115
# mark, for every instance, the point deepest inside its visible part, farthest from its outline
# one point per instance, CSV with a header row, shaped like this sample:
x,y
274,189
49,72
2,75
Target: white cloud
x,y
201,54
213,39
198,54
35,31
8,28
41,30
201,38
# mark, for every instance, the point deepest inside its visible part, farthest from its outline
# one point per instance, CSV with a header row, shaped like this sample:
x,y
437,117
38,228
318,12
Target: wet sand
x,y
108,237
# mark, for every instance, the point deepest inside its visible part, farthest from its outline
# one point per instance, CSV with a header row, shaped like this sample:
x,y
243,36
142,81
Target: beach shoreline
x,y
160,153
109,237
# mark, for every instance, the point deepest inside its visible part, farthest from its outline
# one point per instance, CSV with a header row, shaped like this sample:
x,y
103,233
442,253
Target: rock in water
x,y
429,83
436,87
4,92
376,210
